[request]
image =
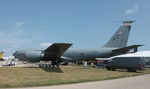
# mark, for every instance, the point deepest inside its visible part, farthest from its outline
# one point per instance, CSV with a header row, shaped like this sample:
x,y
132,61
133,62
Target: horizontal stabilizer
x,y
128,21
126,49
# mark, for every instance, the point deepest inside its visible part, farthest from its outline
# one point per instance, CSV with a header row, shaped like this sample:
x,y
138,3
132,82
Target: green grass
x,y
25,77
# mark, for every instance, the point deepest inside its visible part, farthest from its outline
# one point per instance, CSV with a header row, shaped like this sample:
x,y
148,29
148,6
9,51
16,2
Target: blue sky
x,y
26,24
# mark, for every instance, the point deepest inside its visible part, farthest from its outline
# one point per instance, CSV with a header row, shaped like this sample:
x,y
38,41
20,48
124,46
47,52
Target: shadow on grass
x,y
53,69
123,70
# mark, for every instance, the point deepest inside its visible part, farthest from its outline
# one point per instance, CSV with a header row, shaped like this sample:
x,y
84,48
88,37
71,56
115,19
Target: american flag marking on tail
x,y
119,33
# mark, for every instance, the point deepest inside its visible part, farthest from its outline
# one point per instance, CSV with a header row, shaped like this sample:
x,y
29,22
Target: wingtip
x,y
130,21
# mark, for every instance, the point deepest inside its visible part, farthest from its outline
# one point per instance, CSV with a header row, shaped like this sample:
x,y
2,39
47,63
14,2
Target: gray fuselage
x,y
70,55
87,54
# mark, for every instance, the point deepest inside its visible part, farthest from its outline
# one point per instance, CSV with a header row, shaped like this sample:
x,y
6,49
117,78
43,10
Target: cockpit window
x,y
15,53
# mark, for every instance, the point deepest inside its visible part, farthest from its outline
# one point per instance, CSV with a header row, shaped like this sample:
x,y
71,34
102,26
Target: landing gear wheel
x,y
131,70
55,63
108,67
113,69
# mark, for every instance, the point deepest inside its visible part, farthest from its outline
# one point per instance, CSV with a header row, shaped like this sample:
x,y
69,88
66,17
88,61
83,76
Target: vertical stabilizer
x,y
120,38
1,55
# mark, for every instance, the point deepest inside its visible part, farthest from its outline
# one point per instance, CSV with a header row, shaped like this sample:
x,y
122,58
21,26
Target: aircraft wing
x,y
57,49
126,49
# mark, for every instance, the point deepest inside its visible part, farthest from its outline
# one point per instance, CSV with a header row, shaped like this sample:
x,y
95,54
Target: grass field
x,y
25,77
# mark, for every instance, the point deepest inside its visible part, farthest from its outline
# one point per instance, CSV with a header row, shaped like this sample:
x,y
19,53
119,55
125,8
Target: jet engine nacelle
x,y
33,56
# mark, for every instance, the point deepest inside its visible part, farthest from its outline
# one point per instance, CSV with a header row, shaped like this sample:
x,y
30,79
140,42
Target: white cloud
x,y
19,24
8,41
45,44
136,7
129,11
1,34
15,46
132,10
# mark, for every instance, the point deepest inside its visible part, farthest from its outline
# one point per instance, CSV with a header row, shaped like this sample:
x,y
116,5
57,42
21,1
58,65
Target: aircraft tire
x,y
113,69
108,67
131,70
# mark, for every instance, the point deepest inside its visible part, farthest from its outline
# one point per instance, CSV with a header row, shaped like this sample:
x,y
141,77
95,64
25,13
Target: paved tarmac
x,y
138,82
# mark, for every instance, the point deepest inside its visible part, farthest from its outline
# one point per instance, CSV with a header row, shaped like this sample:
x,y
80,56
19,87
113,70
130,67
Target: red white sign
x,y
126,24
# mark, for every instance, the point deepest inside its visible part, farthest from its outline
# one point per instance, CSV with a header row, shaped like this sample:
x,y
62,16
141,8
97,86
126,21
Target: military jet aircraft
x,y
59,52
